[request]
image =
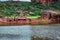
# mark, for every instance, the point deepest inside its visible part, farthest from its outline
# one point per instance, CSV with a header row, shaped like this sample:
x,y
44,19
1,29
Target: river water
x,y
25,32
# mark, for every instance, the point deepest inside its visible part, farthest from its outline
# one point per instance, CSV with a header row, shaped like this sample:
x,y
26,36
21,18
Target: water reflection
x,y
15,32
27,31
9,36
49,31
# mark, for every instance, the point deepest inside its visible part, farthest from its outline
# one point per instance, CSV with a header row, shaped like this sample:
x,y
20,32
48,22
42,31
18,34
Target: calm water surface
x,y
25,32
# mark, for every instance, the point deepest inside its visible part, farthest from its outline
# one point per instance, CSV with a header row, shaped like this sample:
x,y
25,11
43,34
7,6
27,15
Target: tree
x,y
33,0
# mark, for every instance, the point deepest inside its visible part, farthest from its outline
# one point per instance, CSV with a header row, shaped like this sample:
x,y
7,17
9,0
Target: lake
x,y
25,32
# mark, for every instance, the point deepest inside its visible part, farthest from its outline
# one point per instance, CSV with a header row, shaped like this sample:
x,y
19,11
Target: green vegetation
x,y
56,5
32,16
29,8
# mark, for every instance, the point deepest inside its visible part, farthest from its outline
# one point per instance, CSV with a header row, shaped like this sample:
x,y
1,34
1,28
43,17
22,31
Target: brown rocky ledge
x,y
47,17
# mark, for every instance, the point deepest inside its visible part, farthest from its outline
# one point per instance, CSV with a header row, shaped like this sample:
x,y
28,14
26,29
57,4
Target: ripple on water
x,y
25,32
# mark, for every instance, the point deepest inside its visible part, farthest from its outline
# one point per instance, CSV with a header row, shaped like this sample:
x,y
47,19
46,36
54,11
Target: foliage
x,y
56,5
33,9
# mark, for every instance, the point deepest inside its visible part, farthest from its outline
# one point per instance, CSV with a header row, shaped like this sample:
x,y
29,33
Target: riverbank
x,y
28,13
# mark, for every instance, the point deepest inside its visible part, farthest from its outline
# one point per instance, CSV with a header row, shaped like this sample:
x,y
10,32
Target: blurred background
x,y
16,0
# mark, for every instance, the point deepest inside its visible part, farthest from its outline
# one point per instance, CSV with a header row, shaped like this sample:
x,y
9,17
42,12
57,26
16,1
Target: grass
x,y
33,17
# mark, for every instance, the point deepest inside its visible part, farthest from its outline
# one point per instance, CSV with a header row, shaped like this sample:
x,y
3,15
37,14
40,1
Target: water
x,y
25,32
50,31
21,32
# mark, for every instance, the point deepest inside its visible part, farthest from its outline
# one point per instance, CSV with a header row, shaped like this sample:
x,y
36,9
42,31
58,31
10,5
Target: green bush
x,y
56,5
9,8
